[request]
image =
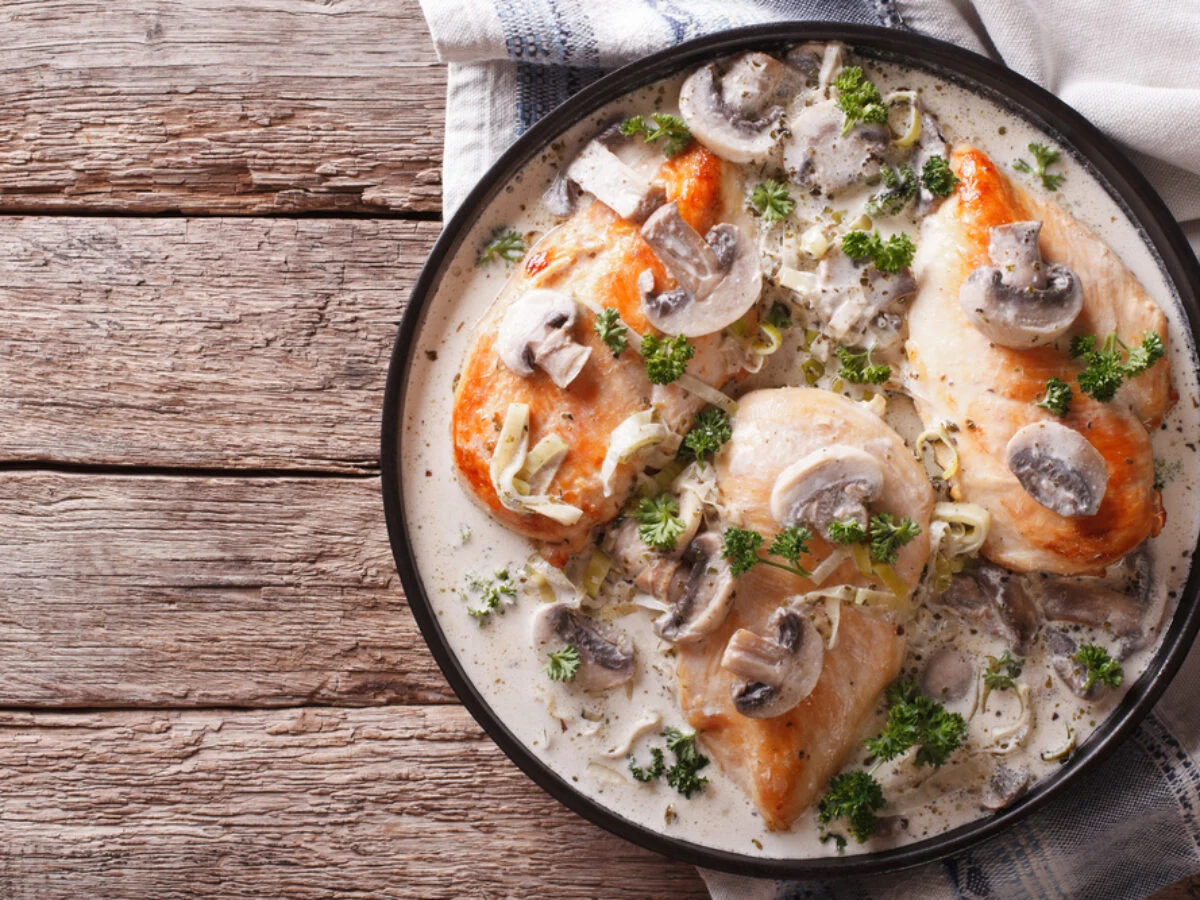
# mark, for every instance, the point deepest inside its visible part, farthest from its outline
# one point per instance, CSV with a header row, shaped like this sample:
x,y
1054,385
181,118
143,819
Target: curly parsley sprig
x,y
890,256
659,525
772,200
684,774
671,129
666,358
859,99
1043,158
741,545
1106,369
1101,667
710,430
563,665
505,244
857,367
1057,397
938,177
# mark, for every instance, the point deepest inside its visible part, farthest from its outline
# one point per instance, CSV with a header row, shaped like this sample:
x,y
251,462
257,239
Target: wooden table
x,y
210,683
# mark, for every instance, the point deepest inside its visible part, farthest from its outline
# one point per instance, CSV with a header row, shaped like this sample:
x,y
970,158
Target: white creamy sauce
x,y
571,731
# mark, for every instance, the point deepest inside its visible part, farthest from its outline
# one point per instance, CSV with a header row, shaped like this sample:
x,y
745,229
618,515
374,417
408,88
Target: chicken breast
x,y
956,375
595,256
784,763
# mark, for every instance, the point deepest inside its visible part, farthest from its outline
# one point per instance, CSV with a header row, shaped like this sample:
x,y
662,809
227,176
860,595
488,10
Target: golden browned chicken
x,y
784,761
596,258
1068,495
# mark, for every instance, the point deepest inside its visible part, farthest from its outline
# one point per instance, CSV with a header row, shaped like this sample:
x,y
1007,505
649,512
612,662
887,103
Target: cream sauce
x,y
569,731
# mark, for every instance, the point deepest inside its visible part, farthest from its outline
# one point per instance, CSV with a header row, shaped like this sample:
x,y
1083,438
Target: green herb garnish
x,y
855,797
741,545
857,367
937,176
659,525
653,771
710,429
1057,398
563,664
900,187
888,535
772,200
685,775
915,720
672,128
859,99
1100,666
779,315
889,256
494,594
666,359
612,331
1002,671
1108,367
1043,158
505,244
847,532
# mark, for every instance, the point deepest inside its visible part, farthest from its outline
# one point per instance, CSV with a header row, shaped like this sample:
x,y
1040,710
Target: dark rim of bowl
x,y
1026,99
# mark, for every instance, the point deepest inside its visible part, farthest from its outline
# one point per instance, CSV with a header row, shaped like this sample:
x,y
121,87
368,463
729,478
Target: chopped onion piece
x,y
708,394
814,242
829,565
774,340
634,434
803,283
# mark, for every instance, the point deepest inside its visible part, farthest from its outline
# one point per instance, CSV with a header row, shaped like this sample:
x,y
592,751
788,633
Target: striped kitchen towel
x,y
1130,826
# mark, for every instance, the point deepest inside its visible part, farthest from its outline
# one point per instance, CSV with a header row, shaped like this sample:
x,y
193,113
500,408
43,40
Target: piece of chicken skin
x,y
956,375
596,256
784,763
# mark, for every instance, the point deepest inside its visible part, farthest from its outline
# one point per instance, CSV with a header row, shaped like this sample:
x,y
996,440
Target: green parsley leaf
x,y
494,594
666,358
1057,398
659,525
938,177
858,369
1106,370
685,775
859,99
563,664
1002,671
847,532
889,256
672,128
505,244
612,331
1082,344
651,772
1043,158
740,547
918,721
855,797
780,315
1143,357
839,840
772,200
900,187
710,429
790,544
1100,666
889,535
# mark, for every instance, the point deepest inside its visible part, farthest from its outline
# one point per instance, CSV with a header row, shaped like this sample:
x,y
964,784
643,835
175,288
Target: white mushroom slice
x,y
700,592
604,658
774,674
819,157
818,63
832,484
947,675
602,174
719,276
536,331
734,112
1004,787
1058,468
850,296
1020,301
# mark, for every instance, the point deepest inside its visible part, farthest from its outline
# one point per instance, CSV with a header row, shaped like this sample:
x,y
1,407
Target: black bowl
x,y
1025,99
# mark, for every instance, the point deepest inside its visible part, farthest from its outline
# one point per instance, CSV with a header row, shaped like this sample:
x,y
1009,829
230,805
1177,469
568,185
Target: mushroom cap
x,y
947,675
535,331
604,660
1058,468
733,113
832,484
773,675
1020,301
1004,787
618,186
701,592
851,296
719,276
995,600
818,156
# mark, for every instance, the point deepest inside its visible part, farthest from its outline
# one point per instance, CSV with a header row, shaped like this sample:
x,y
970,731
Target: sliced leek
x,y
912,133
508,460
967,526
941,435
633,435
803,283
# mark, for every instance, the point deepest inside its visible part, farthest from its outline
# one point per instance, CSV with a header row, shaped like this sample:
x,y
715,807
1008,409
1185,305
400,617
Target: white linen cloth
x,y
1132,825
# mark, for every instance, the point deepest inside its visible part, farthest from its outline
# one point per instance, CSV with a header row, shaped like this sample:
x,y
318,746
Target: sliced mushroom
x,y
604,660
559,199
536,331
1004,787
602,174
832,484
996,601
851,297
1074,674
1019,301
773,675
1120,601
947,676
819,157
818,63
733,110
718,276
700,592
1058,468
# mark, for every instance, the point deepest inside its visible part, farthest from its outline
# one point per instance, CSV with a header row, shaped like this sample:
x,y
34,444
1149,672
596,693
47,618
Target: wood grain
x,y
159,591
212,106
409,802
259,343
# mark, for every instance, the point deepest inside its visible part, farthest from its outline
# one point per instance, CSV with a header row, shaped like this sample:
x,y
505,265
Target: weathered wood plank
x,y
393,802
158,591
211,106
258,343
